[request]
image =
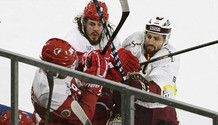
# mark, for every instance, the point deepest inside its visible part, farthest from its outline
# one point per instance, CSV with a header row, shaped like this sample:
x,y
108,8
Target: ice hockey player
x,y
87,36
157,77
66,89
23,118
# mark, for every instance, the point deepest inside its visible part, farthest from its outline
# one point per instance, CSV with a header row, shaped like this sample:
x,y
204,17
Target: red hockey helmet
x,y
24,118
59,52
91,12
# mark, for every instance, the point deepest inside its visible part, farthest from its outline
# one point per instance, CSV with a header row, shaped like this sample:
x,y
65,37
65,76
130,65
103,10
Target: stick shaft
x,y
125,14
180,52
51,86
79,112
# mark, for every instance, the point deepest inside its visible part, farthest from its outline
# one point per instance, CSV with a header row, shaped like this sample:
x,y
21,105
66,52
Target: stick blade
x,y
124,5
77,109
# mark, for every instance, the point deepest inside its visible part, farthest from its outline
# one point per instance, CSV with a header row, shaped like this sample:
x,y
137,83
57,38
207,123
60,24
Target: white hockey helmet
x,y
159,25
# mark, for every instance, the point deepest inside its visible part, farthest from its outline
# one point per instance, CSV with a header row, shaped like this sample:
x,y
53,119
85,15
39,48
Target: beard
x,y
150,49
93,42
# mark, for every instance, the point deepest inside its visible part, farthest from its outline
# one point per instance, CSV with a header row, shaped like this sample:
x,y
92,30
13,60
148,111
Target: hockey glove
x,y
75,90
129,62
137,80
78,87
95,64
93,88
114,75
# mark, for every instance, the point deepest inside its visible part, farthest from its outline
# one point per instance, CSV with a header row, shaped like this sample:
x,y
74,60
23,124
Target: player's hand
x,y
75,91
133,83
114,75
95,64
129,62
136,80
93,88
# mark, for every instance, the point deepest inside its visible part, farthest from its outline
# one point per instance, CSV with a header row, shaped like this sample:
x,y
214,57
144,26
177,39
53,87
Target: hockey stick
x,y
125,13
79,112
179,52
51,86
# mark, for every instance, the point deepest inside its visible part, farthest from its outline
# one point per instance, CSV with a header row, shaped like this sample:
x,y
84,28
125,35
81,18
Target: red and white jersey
x,y
64,92
81,44
163,72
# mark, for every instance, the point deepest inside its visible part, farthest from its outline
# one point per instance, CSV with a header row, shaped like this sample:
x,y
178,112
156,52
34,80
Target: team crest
x,y
57,51
65,113
116,121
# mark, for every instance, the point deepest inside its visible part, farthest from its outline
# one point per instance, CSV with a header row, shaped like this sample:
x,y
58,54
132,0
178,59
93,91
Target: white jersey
x,y
65,91
80,43
163,72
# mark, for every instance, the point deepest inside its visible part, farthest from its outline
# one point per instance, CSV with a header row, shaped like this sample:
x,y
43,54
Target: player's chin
x,y
151,51
94,37
94,41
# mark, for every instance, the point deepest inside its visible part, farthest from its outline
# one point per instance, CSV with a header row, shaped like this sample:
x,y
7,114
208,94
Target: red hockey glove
x,y
95,64
93,88
78,87
75,90
129,62
114,75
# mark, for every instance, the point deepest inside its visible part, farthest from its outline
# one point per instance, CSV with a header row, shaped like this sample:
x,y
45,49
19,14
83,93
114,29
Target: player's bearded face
x,y
153,42
93,31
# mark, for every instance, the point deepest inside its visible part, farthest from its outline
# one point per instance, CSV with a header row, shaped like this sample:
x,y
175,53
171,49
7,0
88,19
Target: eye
x,y
148,36
99,24
92,24
156,38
